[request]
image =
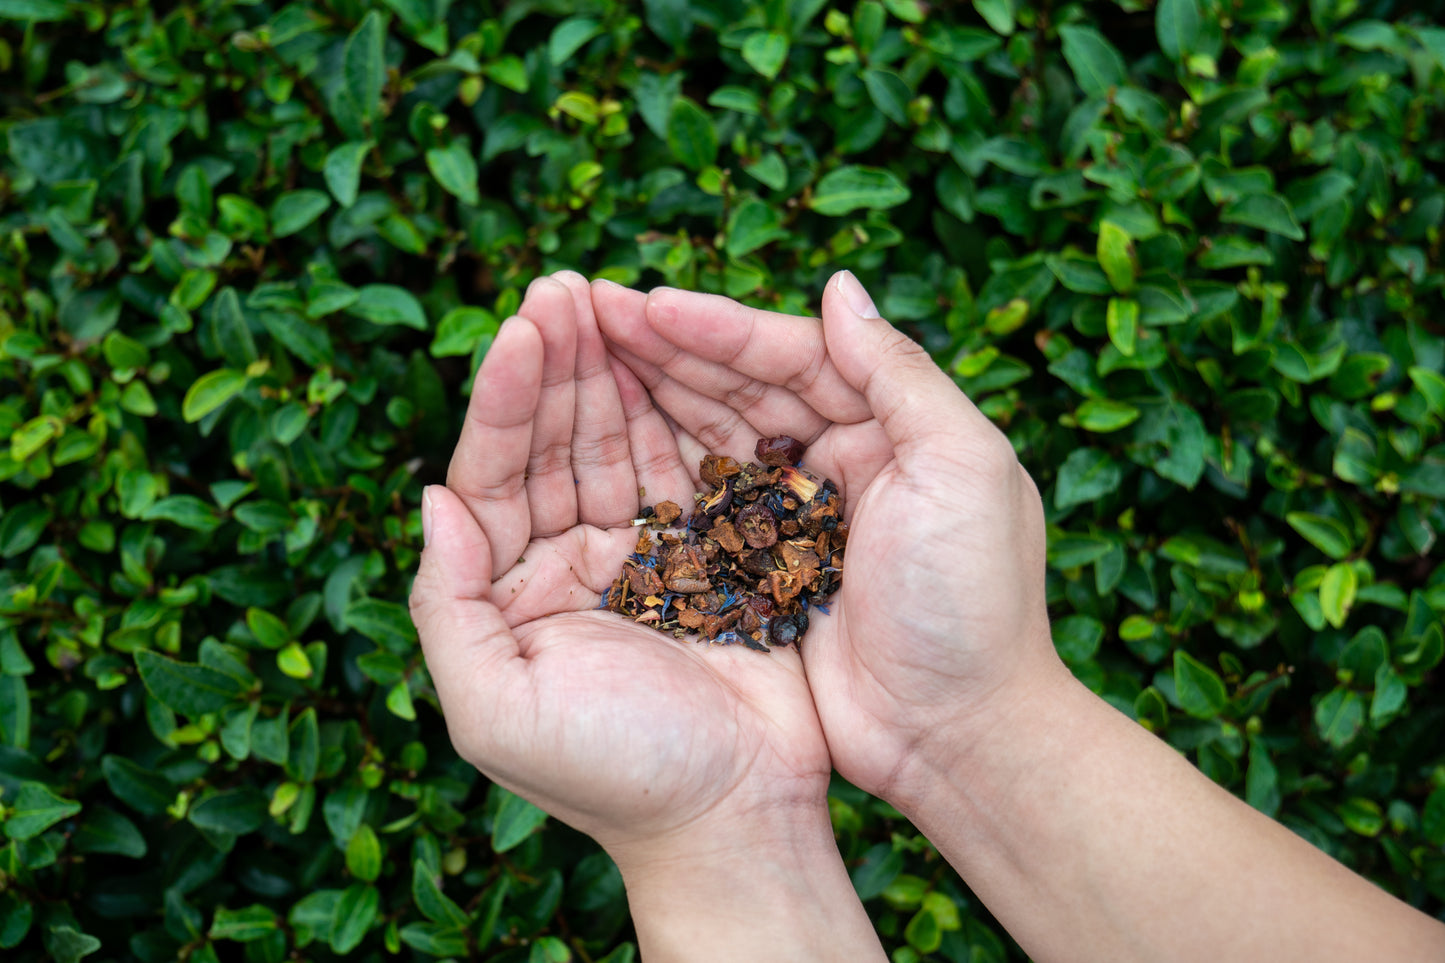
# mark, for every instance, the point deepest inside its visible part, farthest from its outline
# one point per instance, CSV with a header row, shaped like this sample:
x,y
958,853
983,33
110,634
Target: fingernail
x,y
607,283
855,296
426,516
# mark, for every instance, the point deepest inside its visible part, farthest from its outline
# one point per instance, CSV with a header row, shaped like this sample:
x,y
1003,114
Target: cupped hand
x,y
941,616
626,734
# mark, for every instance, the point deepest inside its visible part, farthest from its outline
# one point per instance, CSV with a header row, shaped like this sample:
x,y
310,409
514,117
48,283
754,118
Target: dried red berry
x,y
779,451
759,526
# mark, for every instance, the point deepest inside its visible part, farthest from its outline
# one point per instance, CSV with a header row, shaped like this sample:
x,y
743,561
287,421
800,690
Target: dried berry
x,y
758,525
779,451
764,545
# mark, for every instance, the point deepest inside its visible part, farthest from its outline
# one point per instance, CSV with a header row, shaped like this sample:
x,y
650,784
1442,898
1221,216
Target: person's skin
x,y
935,677
702,770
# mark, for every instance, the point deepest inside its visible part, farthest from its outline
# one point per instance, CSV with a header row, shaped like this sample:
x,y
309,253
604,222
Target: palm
x,y
608,724
927,526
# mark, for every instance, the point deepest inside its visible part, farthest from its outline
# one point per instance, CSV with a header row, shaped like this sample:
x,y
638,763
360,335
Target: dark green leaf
x,y
1097,66
690,135
184,687
1087,474
852,187
34,810
516,820
455,170
1200,690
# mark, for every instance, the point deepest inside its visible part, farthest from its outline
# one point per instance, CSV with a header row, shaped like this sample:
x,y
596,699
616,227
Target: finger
x,y
551,488
720,428
606,486
919,406
764,346
770,408
488,468
661,472
470,652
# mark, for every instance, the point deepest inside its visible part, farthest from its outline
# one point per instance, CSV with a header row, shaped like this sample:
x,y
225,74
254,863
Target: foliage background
x,y
1187,253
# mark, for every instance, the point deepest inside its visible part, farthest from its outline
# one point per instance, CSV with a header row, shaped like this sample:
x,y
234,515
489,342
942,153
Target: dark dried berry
x,y
758,525
787,629
718,502
779,451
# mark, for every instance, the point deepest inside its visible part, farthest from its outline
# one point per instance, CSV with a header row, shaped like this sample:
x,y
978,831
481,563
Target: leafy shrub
x,y
1187,252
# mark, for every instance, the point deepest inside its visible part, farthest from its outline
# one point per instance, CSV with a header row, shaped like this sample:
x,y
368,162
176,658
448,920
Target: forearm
x,y
1090,839
777,891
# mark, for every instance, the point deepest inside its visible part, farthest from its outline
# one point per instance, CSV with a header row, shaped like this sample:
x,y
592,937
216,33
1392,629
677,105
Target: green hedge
x,y
1188,252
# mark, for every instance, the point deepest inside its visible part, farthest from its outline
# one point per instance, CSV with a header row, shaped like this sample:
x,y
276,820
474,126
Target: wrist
x,y
976,750
758,884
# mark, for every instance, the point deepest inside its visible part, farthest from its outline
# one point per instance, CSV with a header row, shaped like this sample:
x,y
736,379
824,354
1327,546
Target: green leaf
x,y
269,629
1077,637
355,912
1362,816
1097,66
1431,385
139,788
386,623
244,925
364,66
236,811
516,820
455,169
691,136
293,211
21,527
304,736
1268,212
766,51
889,94
35,810
432,902
1115,252
852,187
1261,781
753,224
461,330
342,170
1432,817
184,687
1339,716
66,944
569,36
1121,320
1199,688
187,511
210,391
1177,24
998,14
363,854
35,11
923,932
387,304
1086,475
107,831
877,871
670,20
1337,593
435,939
1323,532
1102,415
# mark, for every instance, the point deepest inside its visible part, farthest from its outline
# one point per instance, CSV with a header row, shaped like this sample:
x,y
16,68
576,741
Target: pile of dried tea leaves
x,y
763,544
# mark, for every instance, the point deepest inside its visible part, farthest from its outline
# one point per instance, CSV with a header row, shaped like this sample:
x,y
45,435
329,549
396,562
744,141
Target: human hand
x,y
941,618
700,769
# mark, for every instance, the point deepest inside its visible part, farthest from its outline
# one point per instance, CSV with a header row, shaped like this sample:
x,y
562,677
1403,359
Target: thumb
x,y
910,396
463,635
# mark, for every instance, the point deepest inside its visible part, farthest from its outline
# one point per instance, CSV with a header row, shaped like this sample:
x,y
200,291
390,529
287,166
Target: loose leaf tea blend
x,y
763,544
